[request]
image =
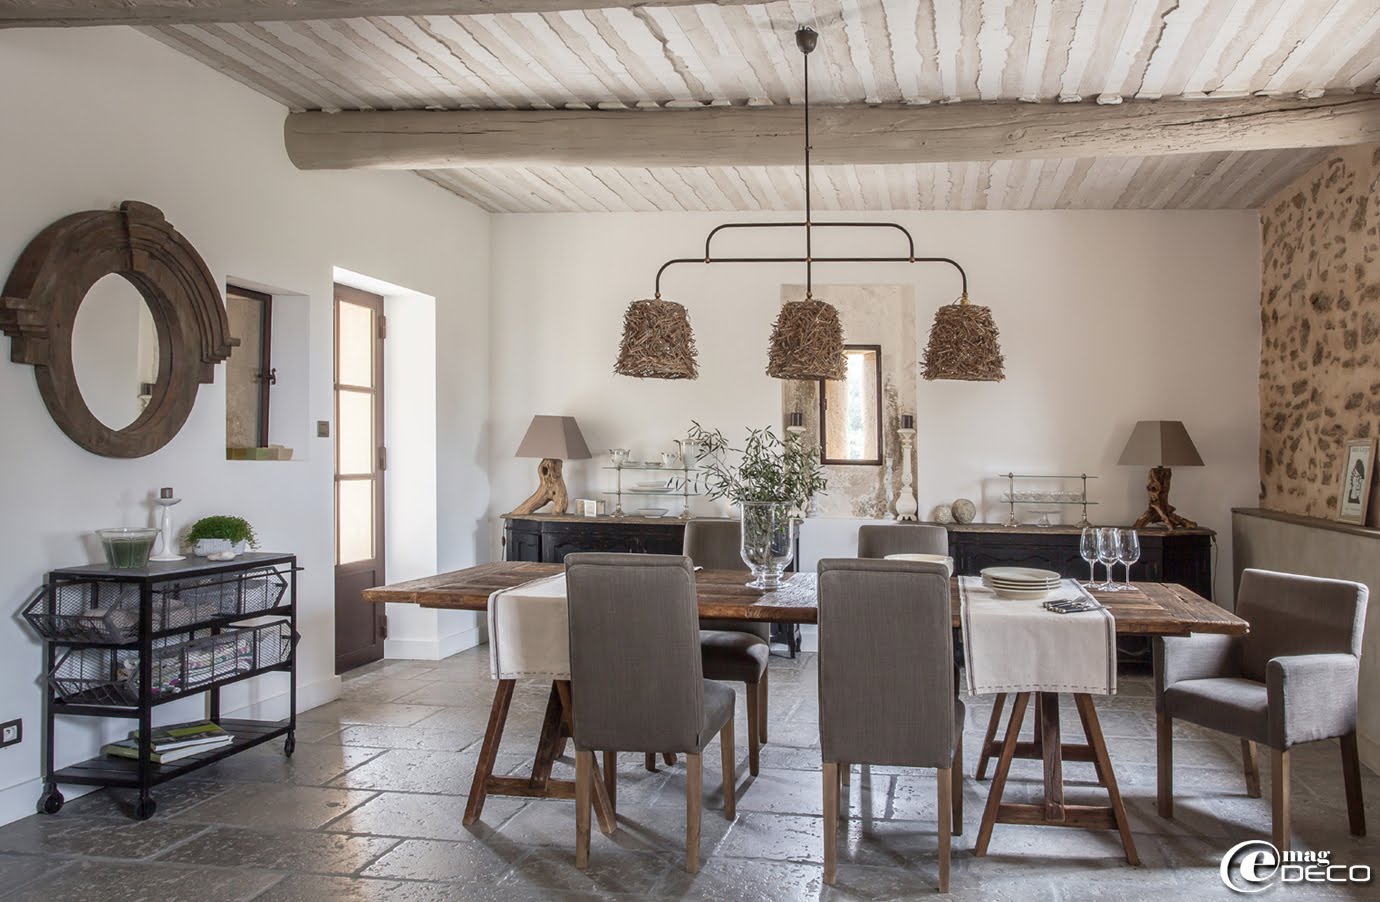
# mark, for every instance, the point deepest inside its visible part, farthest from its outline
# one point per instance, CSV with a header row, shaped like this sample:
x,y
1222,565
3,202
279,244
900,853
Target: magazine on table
x,y
129,748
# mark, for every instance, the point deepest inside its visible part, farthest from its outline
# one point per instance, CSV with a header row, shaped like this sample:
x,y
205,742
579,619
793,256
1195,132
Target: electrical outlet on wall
x,y
11,733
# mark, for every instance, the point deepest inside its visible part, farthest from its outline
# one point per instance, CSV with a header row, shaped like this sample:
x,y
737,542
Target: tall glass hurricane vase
x,y
768,541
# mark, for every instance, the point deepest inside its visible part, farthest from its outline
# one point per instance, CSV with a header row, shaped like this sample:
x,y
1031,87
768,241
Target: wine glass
x,y
1109,553
1130,551
1087,549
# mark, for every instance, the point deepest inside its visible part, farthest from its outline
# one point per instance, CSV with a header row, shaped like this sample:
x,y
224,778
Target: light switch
x,y
323,428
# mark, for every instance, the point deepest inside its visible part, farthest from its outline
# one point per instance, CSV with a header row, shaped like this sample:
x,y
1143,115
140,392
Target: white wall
x,y
1106,318
96,116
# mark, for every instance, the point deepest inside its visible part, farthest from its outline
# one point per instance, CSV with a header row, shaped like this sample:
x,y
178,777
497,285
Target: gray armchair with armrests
x,y
1291,680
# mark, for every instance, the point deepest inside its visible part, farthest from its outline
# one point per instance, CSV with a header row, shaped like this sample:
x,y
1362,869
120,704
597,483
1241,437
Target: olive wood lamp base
x,y
552,489
1160,512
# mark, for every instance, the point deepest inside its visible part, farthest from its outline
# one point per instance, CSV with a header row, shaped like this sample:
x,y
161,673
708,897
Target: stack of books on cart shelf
x,y
181,740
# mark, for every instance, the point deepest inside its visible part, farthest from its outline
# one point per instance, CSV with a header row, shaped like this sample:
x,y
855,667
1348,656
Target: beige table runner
x,y
529,631
1018,646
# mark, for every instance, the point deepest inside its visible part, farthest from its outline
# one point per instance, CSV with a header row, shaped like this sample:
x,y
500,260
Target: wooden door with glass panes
x,y
360,459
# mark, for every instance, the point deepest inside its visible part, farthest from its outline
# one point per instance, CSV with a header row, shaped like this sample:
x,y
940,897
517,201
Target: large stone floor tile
x,y
422,770
273,805
308,888
279,850
109,837
429,859
311,764
611,871
381,713
424,816
107,881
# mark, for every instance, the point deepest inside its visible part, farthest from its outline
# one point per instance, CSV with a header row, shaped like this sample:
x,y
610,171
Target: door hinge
x,y
383,326
383,627
383,458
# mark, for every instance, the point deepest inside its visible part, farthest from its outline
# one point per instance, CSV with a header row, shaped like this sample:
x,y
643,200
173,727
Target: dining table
x,y
1149,609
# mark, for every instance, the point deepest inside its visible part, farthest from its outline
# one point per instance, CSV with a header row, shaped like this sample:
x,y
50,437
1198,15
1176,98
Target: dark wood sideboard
x,y
1181,556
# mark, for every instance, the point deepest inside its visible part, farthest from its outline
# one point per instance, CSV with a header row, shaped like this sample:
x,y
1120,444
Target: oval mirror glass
x,y
115,351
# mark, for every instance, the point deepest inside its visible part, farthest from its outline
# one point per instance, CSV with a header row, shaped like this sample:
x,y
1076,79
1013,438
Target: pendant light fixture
x,y
963,345
658,342
807,337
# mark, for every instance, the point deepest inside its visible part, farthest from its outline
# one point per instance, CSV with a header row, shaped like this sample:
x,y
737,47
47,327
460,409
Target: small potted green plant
x,y
220,535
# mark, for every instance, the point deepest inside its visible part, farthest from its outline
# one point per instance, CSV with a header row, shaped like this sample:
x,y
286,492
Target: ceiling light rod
x,y
806,39
819,225
669,263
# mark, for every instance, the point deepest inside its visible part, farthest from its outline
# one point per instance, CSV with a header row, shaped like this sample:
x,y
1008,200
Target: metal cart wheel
x,y
144,809
290,744
51,800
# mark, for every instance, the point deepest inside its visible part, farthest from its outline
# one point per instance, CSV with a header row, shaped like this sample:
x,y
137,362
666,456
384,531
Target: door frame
x,y
378,563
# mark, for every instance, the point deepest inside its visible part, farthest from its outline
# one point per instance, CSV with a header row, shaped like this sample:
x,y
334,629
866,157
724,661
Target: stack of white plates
x,y
1025,583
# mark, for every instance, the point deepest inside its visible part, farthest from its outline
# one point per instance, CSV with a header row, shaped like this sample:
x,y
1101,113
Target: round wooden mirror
x,y
74,280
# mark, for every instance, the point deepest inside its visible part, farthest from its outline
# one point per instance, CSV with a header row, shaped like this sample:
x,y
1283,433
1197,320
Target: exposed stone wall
x,y
1320,329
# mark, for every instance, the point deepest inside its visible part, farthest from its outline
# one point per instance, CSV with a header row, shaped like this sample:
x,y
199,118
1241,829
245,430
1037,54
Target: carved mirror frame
x,y
39,306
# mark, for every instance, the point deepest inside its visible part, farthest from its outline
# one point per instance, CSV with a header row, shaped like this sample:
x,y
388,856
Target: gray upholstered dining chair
x,y
1292,679
734,651
887,688
635,677
877,541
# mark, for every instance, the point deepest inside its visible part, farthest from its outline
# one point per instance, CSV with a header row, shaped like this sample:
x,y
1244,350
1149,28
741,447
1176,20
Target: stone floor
x,y
370,808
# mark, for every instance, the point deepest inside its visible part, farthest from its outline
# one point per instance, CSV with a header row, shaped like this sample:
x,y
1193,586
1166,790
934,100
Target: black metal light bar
x,y
806,39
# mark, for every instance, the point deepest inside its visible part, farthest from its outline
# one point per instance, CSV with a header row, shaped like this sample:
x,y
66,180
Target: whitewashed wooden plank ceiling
x,y
871,51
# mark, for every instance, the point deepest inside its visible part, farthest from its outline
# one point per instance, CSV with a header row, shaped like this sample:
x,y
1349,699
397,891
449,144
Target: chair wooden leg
x,y
993,724
1164,764
762,707
584,779
693,788
730,770
668,757
603,808
611,780
956,774
1351,776
831,820
1279,798
754,726
1250,765
945,783
1008,752
649,761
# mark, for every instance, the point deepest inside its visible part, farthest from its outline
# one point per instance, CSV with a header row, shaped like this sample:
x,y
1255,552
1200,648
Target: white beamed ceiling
x,y
870,51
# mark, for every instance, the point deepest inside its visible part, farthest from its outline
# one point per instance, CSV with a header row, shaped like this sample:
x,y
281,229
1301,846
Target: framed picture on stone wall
x,y
1356,480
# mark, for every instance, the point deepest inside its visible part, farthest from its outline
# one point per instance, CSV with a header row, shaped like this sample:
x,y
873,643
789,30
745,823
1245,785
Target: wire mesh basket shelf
x,y
110,676
92,610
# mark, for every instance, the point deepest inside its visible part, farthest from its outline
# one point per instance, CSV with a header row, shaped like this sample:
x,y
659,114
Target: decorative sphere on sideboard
x,y
964,510
942,514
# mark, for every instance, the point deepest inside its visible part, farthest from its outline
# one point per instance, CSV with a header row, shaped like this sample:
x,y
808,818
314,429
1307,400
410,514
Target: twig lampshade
x,y
807,342
658,342
963,345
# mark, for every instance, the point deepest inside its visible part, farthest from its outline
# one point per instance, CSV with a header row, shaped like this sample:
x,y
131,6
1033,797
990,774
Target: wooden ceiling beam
x,y
855,133
73,13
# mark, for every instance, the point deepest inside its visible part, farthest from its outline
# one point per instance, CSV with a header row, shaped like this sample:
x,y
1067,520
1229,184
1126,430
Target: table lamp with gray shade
x,y
1160,445
554,440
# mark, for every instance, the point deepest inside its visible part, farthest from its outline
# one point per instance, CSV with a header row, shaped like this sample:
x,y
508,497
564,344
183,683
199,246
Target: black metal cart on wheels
x,y
118,643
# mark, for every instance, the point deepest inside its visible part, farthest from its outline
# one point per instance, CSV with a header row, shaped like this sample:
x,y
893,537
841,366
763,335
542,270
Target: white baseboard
x,y
431,649
21,799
